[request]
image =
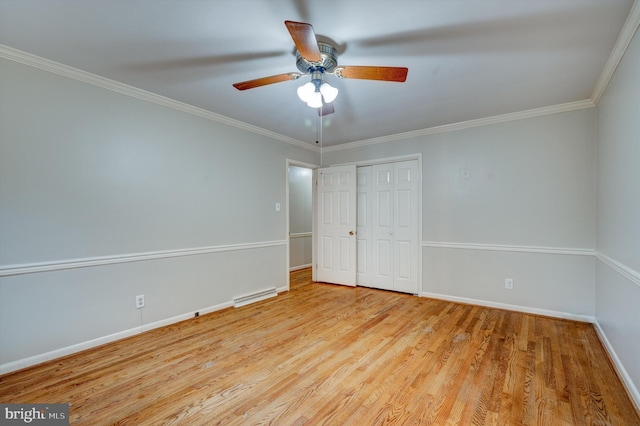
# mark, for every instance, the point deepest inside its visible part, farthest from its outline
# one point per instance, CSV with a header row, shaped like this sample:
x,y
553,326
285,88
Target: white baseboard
x,y
510,307
78,347
182,317
299,267
58,353
632,390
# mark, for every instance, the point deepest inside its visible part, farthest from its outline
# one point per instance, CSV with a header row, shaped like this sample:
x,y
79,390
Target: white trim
x,y
627,382
183,317
314,225
537,112
624,39
68,350
31,268
301,235
396,159
623,270
520,249
299,267
509,307
115,86
420,220
302,164
57,353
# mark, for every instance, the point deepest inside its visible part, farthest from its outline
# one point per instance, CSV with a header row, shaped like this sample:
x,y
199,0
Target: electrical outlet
x,y
508,283
140,301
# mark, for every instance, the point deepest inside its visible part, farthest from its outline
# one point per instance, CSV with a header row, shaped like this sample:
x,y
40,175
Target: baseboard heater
x,y
254,297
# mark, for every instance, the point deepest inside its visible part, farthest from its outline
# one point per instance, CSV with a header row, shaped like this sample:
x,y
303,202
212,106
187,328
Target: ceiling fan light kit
x,y
317,59
313,92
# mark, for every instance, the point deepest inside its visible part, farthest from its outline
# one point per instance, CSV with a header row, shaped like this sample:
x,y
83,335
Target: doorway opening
x,y
300,217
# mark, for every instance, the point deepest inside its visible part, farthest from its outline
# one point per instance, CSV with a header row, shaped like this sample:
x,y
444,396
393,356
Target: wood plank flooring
x,y
326,354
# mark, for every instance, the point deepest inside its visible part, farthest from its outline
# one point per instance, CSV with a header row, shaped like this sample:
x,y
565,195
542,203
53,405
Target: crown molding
x,y
624,39
504,118
115,86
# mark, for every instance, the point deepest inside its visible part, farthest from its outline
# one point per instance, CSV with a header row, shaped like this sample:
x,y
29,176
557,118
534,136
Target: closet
x,y
388,246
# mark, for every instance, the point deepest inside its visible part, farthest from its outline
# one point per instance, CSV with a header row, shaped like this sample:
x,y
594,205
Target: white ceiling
x,y
467,59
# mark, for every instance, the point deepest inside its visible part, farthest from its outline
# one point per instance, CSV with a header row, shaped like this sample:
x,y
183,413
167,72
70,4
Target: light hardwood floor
x,y
326,354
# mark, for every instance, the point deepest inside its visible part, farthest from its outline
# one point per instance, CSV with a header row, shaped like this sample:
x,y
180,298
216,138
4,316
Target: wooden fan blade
x,y
372,73
305,40
267,80
326,109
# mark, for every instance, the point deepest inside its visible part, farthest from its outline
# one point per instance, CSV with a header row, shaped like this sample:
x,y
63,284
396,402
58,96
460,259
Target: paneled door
x,y
395,239
336,222
363,222
406,215
383,226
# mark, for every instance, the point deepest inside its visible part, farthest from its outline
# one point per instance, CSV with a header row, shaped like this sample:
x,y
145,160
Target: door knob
x,y
351,232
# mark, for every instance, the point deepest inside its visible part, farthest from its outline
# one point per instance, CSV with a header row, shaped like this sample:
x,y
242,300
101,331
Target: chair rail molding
x,y
510,248
31,268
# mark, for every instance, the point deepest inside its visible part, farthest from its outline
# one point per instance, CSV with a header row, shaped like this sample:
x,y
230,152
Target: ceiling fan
x,y
317,59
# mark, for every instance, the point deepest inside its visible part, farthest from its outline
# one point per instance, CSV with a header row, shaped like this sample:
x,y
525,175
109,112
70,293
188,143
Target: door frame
x,y
313,167
416,156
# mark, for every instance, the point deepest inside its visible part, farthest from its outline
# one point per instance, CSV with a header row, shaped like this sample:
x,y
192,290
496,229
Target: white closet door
x,y
406,244
363,234
336,225
382,273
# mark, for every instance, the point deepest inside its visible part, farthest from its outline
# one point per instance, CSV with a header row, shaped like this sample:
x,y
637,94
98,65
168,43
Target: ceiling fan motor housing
x,y
328,62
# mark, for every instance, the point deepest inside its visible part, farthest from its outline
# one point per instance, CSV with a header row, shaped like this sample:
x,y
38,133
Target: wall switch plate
x,y
140,301
508,283
277,207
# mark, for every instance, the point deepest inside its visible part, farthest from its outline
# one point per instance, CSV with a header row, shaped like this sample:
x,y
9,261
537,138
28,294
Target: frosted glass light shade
x,y
315,101
329,93
305,92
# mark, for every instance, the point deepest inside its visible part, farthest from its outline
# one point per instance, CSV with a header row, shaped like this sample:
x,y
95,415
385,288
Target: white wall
x,y
511,200
300,217
105,196
618,214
